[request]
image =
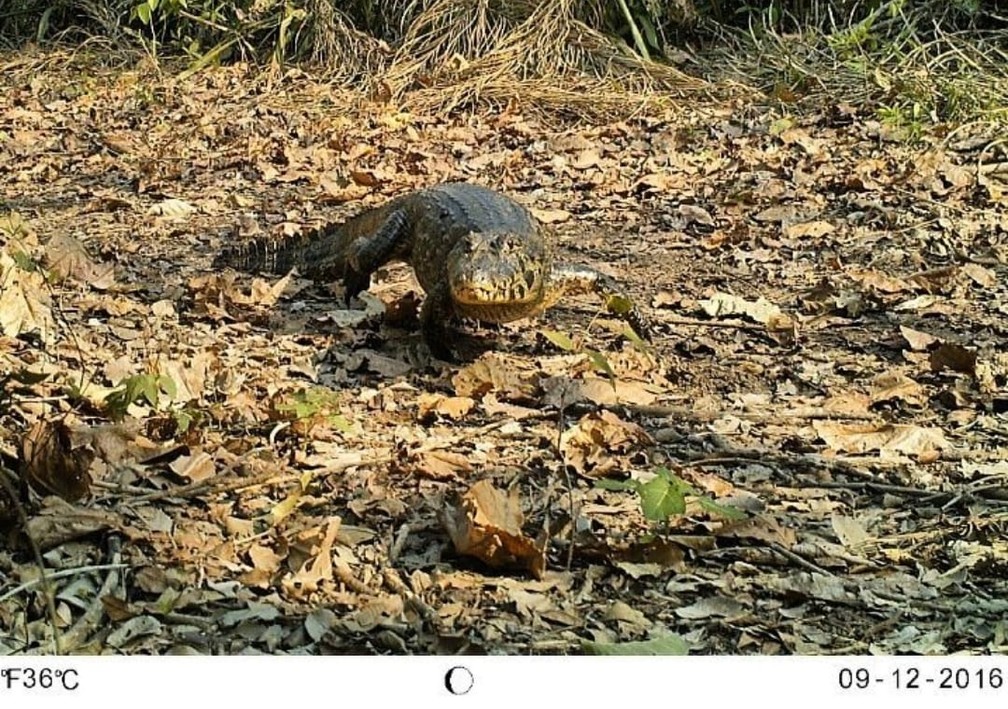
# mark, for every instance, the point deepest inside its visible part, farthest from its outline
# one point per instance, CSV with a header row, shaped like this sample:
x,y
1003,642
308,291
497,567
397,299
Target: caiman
x,y
477,254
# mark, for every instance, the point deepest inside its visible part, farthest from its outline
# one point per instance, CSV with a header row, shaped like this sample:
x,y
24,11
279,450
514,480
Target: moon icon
x,y
458,680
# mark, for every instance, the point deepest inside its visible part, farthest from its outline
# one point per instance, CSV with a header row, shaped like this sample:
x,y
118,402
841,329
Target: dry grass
x,y
462,53
908,66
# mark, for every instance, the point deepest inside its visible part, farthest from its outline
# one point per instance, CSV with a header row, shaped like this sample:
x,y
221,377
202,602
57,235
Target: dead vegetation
x,y
810,458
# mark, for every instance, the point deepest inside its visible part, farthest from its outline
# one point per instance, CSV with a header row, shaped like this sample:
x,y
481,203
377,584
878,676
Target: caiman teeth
x,y
472,294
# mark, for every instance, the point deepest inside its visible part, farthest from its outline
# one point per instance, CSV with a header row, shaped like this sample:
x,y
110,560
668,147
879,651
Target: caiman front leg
x,y
369,252
435,313
574,278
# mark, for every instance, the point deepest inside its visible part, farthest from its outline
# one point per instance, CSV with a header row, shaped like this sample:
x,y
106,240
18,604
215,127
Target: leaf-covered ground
x,y
219,462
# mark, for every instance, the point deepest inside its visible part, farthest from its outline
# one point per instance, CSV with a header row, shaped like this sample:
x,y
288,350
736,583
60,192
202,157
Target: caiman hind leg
x,y
368,253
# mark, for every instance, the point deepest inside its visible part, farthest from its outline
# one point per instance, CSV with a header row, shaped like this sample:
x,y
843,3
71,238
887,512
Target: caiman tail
x,y
319,254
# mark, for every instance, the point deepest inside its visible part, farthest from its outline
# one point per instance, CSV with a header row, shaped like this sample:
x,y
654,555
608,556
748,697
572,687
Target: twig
x,y
79,632
568,483
689,414
44,577
800,560
60,574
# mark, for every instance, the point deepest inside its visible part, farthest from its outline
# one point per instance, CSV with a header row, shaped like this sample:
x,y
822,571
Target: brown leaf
x,y
24,301
880,282
761,310
605,392
442,465
507,377
886,438
265,564
808,229
586,159
60,521
66,258
593,445
487,524
194,468
52,465
894,386
551,216
849,531
918,341
318,567
430,406
983,277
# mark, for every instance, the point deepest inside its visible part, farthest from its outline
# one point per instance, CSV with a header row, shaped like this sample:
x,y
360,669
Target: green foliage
x,y
906,122
567,344
664,497
312,405
137,389
146,10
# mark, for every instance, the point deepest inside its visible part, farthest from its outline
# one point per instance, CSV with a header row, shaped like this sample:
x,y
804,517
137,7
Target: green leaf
x,y
619,304
28,378
143,12
148,388
619,485
168,386
661,499
648,29
636,340
341,423
600,363
726,511
183,420
780,125
663,645
560,339
24,261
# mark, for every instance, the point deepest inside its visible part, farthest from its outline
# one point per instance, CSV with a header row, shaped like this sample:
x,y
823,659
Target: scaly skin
x,y
476,253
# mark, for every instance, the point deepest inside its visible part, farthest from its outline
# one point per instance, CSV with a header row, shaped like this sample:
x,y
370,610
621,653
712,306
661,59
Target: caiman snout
x,y
497,268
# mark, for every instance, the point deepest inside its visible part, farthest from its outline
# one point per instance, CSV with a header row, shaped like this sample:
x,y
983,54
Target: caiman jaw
x,y
497,276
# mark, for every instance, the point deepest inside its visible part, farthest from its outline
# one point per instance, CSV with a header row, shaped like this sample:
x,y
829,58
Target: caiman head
x,y
498,276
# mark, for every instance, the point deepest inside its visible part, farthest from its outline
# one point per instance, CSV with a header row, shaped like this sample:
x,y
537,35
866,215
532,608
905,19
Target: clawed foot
x,y
354,283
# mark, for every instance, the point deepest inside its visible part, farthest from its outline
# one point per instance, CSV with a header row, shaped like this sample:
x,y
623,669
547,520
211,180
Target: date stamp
x,y
39,679
942,678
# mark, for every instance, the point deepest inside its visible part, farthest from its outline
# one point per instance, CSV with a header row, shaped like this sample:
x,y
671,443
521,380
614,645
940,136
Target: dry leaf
x,y
887,438
66,257
171,208
725,304
317,568
894,386
52,465
594,444
430,406
918,341
24,301
808,229
849,531
194,468
442,465
506,377
487,524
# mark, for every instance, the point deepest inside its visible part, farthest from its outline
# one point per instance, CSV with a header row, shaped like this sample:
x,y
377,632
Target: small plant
x,y
308,408
664,497
140,388
908,121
